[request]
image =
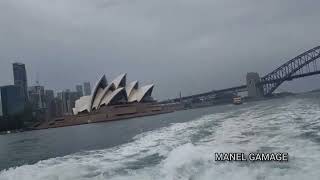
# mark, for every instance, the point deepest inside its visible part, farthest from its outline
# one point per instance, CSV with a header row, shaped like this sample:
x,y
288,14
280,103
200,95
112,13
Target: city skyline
x,y
20,78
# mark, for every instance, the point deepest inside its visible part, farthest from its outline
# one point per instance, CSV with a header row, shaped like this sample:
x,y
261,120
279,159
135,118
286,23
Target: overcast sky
x,y
180,45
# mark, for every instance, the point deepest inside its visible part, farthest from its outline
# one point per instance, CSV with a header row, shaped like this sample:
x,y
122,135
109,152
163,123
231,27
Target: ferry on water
x,y
237,100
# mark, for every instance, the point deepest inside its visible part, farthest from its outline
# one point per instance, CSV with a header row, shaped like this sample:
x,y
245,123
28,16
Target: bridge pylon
x,y
254,89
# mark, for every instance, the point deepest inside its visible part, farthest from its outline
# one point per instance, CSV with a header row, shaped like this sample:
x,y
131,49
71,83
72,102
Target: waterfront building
x,y
117,92
79,90
12,108
20,78
87,88
12,102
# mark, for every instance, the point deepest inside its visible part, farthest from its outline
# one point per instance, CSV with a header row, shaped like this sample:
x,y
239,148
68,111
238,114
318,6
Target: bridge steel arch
x,y
305,63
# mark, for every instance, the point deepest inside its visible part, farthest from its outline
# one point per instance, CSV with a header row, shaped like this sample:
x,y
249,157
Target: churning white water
x,y
186,150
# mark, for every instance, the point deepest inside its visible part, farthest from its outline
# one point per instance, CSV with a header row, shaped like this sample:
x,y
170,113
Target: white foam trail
x,y
186,150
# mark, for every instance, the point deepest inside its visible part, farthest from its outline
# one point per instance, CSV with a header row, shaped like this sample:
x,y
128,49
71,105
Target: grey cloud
x,y
188,46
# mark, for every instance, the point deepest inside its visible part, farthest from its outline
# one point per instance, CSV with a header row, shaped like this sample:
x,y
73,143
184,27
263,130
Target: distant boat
x,y
237,100
8,132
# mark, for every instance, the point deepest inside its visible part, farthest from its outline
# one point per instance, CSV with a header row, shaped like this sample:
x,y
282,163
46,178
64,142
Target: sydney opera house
x,y
115,93
112,101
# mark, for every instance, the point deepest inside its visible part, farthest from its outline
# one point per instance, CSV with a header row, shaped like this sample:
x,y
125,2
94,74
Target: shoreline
x,y
168,108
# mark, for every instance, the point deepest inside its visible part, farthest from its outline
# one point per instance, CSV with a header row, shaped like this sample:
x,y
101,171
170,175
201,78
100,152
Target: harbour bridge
x,y
305,64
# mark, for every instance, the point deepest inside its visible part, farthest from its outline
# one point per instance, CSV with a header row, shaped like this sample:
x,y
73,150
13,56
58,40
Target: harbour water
x,y
174,146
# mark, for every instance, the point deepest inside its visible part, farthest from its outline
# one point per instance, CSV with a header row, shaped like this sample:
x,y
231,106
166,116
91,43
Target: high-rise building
x,y
1,112
57,108
49,93
37,97
65,101
59,95
68,101
20,78
50,104
12,102
12,108
87,88
79,90
49,96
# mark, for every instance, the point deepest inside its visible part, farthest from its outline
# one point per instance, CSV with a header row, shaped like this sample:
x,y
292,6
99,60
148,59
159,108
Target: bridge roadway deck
x,y
232,89
243,88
